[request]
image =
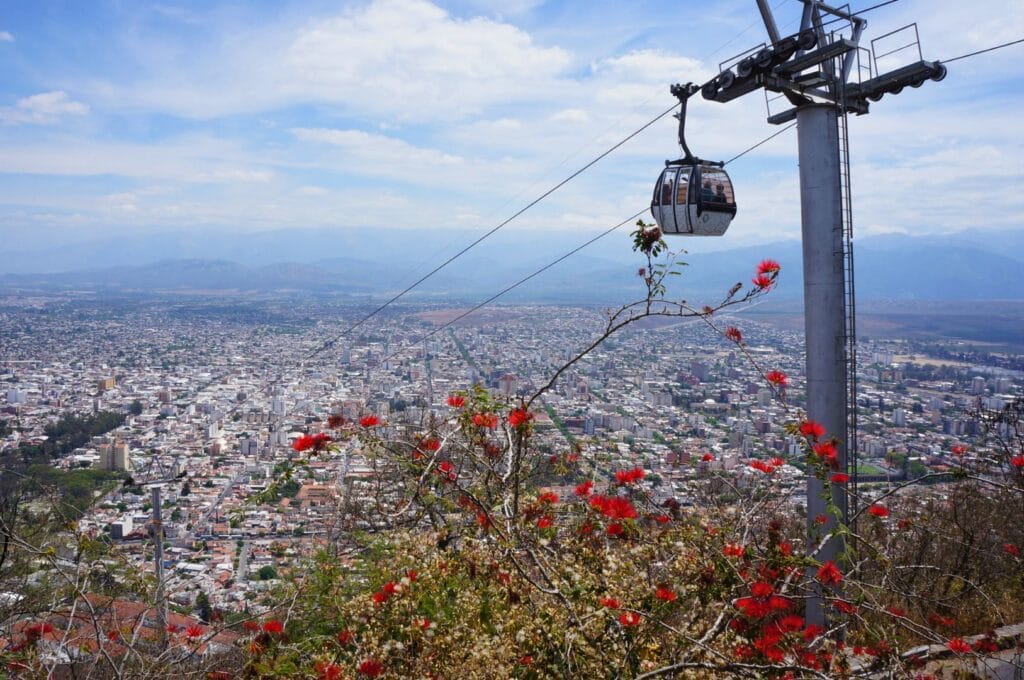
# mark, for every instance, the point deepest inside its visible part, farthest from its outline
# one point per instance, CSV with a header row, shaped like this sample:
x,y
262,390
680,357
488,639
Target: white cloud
x,y
395,60
45,108
5,36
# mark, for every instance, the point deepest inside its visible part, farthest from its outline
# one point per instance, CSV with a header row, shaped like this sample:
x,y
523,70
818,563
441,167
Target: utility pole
x,y
812,69
157,530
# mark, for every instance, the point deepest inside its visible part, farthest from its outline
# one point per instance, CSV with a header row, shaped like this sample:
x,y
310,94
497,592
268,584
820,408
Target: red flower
x,y
456,401
829,573
708,457
519,416
768,267
328,671
614,529
762,466
1011,549
810,428
959,449
629,619
609,602
273,626
371,667
791,623
317,442
840,478
614,507
762,589
584,488
777,462
251,625
526,660
369,421
112,635
430,444
447,470
1017,461
826,450
345,637
878,510
821,519
545,522
777,378
488,420
665,594
194,631
845,607
412,574
734,334
662,519
629,476
483,520
762,281
940,620
548,497
958,646
733,550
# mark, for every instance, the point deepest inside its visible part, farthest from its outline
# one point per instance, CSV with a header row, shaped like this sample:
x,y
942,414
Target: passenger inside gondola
x,y
720,194
706,193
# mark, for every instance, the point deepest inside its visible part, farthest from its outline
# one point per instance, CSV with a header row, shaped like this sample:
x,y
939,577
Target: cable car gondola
x,y
692,197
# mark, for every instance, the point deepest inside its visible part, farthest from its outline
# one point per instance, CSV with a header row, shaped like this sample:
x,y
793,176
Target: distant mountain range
x,y
381,262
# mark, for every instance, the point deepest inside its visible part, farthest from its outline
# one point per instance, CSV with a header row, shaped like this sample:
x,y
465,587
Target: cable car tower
x,y
822,74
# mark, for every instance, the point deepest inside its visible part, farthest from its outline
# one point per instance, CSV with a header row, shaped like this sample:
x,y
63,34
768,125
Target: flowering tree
x,y
481,566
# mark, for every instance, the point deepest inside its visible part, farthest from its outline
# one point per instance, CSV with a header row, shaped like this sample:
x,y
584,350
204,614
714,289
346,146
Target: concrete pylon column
x,y
824,309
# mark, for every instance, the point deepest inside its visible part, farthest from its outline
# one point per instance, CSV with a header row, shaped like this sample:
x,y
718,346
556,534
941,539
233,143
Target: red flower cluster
x,y
613,507
629,476
328,671
958,646
812,429
629,619
878,510
317,442
548,497
763,466
446,470
487,420
369,421
777,378
456,401
1011,549
609,602
545,522
734,334
430,444
1017,461
273,626
371,667
766,273
733,550
829,573
827,451
959,449
708,457
583,489
194,631
665,594
840,478
519,416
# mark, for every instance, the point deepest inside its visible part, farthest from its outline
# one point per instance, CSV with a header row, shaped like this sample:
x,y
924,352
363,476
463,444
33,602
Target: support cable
x,y
572,252
987,49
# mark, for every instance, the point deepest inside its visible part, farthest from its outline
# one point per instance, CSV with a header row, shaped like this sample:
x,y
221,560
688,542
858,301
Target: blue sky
x,y
128,117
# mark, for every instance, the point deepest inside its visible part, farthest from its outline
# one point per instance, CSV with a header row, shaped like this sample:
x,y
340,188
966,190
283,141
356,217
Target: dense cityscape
x,y
207,401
